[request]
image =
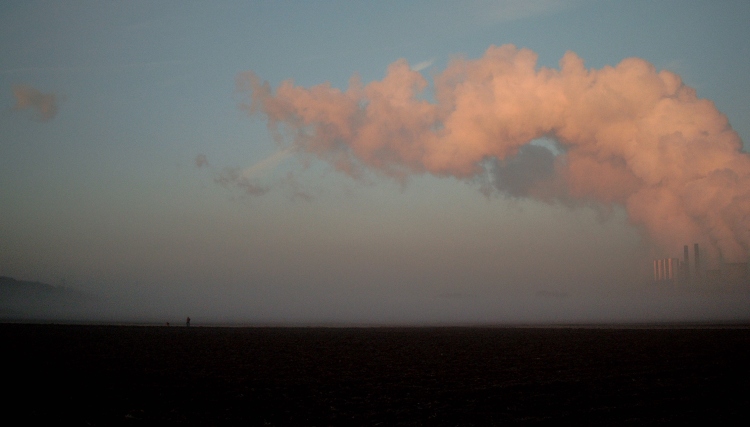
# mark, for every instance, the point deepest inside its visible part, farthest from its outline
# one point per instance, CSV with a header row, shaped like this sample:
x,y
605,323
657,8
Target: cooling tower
x,y
667,270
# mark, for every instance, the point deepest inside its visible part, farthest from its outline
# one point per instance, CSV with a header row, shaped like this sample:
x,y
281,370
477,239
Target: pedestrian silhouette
x,y
187,322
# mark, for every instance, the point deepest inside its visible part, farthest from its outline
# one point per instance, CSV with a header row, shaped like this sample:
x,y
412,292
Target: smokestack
x,y
686,267
667,270
697,265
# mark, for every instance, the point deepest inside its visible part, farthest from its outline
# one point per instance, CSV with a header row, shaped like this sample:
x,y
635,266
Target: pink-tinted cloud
x,y
628,135
44,104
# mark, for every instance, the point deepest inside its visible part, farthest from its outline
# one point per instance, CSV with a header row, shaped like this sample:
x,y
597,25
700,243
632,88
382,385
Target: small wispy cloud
x,y
267,164
201,160
44,104
248,179
675,66
419,66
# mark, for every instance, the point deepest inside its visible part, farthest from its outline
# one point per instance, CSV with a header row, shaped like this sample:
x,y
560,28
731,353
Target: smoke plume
x,y
626,135
45,104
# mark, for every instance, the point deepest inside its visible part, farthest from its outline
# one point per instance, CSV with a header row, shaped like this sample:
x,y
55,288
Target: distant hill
x,y
22,299
12,287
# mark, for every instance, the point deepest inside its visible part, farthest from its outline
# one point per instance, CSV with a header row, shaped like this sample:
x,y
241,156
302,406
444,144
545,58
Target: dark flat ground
x,y
148,375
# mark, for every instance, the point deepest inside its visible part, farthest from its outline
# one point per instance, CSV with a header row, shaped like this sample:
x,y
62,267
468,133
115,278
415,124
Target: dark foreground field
x,y
133,375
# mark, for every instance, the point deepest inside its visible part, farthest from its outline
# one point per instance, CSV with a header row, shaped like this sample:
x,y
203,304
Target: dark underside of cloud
x,y
528,173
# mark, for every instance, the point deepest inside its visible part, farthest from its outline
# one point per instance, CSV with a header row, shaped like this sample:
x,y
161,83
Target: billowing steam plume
x,y
45,104
627,135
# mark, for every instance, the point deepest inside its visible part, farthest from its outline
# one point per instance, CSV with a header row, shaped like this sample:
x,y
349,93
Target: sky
x,y
337,162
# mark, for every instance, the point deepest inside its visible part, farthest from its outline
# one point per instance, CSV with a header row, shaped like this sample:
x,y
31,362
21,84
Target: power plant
x,y
667,270
679,273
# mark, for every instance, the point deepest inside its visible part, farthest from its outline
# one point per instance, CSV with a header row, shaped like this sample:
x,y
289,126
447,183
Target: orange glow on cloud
x,y
629,135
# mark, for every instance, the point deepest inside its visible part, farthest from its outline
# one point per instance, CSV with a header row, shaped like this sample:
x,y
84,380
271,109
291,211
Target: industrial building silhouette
x,y
679,272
